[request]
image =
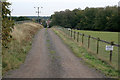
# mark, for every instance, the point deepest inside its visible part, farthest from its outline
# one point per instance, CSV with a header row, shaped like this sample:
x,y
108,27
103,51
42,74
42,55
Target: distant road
x,y
51,58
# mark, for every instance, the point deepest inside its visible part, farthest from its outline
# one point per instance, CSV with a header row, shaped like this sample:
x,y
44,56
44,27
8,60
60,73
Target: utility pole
x,y
38,15
38,12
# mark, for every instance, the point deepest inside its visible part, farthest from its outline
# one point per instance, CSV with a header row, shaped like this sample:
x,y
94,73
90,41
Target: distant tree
x,y
101,19
21,18
44,23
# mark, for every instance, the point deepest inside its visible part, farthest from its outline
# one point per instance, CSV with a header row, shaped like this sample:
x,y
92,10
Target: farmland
x,y
102,53
103,35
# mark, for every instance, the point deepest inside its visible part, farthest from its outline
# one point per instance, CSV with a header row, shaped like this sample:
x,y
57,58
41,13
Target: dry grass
x,y
25,31
19,46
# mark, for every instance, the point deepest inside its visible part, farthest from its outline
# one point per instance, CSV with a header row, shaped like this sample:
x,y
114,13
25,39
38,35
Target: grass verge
x,y
88,58
19,46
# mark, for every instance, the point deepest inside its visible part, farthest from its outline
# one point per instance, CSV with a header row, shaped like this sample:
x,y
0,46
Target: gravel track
x,y
51,58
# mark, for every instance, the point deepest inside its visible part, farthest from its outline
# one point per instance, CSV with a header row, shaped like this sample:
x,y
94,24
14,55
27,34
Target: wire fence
x,y
95,46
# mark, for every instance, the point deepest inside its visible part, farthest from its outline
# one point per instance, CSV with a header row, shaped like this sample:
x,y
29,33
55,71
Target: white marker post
x,y
110,48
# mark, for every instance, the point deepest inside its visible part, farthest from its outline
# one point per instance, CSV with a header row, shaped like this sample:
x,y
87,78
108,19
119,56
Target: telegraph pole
x,y
38,12
38,15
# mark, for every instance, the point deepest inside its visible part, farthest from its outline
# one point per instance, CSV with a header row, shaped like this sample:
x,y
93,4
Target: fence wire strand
x,y
96,46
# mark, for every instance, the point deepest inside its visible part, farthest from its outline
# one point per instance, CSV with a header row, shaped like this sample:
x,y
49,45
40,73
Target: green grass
x,y
15,55
107,36
102,54
90,59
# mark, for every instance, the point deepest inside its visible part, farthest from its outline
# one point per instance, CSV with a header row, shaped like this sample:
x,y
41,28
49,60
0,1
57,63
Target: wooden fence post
x,y
88,41
111,52
98,45
82,38
78,37
63,31
66,32
71,33
74,35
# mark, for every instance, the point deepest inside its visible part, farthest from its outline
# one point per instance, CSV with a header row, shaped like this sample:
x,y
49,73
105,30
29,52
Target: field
x,y
88,57
108,36
102,53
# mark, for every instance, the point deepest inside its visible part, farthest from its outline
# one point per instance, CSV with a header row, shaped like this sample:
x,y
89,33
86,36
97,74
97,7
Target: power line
x,y
38,11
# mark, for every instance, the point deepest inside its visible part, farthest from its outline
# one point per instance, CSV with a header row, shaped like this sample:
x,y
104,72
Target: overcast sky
x,y
26,7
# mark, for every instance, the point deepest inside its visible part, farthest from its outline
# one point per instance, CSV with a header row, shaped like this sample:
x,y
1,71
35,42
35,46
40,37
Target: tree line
x,y
21,18
98,19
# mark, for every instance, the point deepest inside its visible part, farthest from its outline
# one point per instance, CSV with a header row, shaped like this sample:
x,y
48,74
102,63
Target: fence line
x,y
86,40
